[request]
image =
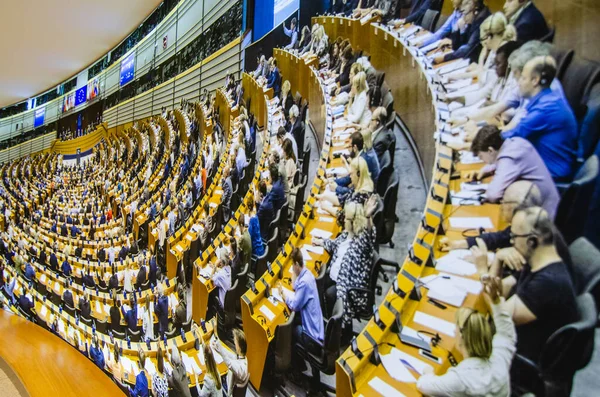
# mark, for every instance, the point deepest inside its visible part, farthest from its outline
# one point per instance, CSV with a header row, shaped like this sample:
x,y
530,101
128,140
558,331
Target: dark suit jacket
x,y
344,76
162,312
298,134
382,142
115,317
152,270
277,195
68,298
265,215
531,24
84,308
141,277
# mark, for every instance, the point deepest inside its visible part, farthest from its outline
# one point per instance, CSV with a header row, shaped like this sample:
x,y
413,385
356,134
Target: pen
x,y
437,304
406,363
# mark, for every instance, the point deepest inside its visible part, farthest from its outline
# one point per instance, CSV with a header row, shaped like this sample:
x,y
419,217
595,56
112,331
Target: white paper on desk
x,y
201,357
187,363
42,278
327,219
149,367
320,233
444,291
430,47
465,284
70,332
173,301
267,312
339,143
414,362
468,197
305,255
43,311
407,32
467,157
444,115
106,308
383,388
98,308
453,263
315,249
443,326
340,123
57,287
205,273
396,369
474,186
454,66
339,171
341,151
61,327
458,84
471,222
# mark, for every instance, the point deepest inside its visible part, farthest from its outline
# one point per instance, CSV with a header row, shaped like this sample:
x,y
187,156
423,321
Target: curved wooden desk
x,y
415,103
47,365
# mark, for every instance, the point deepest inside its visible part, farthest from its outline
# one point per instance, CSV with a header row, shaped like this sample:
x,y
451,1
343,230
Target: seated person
x,y
282,136
487,349
277,193
66,268
509,160
541,297
383,137
26,302
305,300
466,43
417,12
211,385
95,352
130,313
549,124
527,18
264,212
84,306
359,114
444,31
359,189
115,314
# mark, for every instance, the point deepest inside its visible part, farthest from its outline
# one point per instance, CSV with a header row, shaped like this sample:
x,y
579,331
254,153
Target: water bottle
x,y
93,326
152,287
128,342
76,319
167,281
165,340
148,343
60,309
183,336
96,290
203,325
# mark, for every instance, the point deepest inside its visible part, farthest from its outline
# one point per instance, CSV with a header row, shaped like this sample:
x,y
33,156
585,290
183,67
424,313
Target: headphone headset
x,y
544,73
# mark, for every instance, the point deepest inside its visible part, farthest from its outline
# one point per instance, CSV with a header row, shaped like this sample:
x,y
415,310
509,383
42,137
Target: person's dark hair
x,y
297,257
274,171
275,62
374,94
348,54
281,132
488,136
160,360
546,70
358,140
508,48
233,244
288,149
262,188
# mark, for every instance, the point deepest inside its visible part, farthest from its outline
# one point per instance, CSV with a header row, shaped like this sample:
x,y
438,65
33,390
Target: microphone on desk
x,y
377,318
413,258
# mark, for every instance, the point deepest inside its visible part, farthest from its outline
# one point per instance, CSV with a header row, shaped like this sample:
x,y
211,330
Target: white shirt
x,y
148,325
341,252
359,111
475,376
127,280
238,368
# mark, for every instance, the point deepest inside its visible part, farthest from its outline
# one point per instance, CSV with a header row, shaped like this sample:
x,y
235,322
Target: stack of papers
x,y
267,312
454,263
320,233
443,326
383,388
474,222
466,197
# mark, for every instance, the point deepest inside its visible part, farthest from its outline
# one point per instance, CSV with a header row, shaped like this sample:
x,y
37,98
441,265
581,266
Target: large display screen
x,y
38,117
81,95
128,69
271,13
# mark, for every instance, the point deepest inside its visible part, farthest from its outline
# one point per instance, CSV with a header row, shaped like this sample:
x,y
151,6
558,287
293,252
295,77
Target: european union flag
x,y
81,95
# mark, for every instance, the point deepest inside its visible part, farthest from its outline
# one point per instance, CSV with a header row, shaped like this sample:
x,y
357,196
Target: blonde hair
x,y
497,25
365,183
367,138
359,82
211,366
285,88
476,332
356,68
355,213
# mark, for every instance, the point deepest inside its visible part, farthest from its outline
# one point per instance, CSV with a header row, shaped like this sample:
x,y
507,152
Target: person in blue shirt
x,y
258,248
141,380
63,230
66,268
161,309
96,352
130,315
451,25
549,124
292,33
274,80
74,231
54,228
304,300
265,212
29,271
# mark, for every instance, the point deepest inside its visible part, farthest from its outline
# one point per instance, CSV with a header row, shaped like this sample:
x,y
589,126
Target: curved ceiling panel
x,y
45,42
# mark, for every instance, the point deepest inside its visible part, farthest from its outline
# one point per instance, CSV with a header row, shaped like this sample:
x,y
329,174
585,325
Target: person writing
x,y
487,355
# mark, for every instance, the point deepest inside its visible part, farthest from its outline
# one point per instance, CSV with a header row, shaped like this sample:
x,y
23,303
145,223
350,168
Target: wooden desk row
x,y
416,104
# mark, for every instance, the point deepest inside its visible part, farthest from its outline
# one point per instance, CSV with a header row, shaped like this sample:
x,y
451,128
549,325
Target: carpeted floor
x,y
10,385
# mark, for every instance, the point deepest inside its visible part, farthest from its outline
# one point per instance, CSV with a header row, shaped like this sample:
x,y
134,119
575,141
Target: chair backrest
x,y
388,104
549,37
577,81
69,309
570,347
572,211
261,264
385,173
429,19
563,59
391,196
299,202
283,345
135,336
102,327
332,336
306,160
86,321
229,304
589,129
273,245
284,220
586,267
